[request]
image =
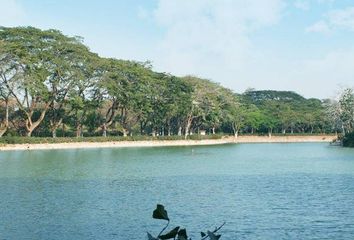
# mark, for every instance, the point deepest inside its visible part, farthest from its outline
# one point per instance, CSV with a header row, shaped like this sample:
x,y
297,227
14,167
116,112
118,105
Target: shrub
x,y
39,140
348,140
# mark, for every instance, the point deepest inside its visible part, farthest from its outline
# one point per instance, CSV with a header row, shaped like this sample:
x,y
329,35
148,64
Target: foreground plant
x,y
178,233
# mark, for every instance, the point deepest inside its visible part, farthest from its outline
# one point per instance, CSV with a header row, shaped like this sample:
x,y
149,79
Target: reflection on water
x,y
262,191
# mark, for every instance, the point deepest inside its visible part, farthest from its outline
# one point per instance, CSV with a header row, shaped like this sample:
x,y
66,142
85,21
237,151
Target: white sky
x,y
301,45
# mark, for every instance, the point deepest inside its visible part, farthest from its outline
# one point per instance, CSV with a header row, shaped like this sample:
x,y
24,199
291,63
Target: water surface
x,y
262,191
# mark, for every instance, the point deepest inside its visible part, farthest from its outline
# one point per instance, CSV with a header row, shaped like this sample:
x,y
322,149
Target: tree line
x,y
53,85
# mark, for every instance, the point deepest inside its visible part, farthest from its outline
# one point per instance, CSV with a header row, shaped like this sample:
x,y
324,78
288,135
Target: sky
x,y
305,46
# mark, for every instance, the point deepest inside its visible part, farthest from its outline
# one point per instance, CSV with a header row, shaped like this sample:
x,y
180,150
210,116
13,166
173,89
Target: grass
x,y
38,140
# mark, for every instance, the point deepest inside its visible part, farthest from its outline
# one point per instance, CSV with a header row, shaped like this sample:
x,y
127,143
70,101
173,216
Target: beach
x,y
161,143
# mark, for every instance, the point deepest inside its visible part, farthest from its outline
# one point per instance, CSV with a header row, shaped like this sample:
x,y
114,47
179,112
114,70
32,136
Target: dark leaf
x,y
202,234
213,236
182,235
160,213
150,237
172,234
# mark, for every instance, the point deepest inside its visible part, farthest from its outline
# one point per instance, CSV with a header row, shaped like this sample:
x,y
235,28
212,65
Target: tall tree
x,y
346,104
32,55
8,72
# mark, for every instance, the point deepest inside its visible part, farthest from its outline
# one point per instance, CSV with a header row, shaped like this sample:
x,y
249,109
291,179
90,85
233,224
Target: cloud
x,y
143,13
12,13
302,4
343,18
340,19
215,40
329,72
211,38
310,76
319,27
330,2
171,12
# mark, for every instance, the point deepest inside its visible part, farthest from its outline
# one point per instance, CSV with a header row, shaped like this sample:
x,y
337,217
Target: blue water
x,y
262,191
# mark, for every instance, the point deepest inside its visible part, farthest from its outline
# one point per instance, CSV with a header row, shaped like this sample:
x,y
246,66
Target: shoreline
x,y
167,143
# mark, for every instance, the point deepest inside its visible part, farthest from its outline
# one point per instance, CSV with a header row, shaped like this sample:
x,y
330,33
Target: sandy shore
x,y
285,139
241,139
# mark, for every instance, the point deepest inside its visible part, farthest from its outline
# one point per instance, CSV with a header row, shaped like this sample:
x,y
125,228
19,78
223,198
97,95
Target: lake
x,y
262,191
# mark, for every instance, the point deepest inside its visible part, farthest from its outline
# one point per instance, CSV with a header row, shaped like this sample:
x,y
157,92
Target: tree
x,y
234,112
177,100
40,59
271,111
346,105
114,91
70,62
333,115
340,113
48,80
205,110
31,57
8,71
253,117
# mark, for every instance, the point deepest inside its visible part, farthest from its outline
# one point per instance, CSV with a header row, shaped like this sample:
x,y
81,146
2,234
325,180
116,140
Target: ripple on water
x,y
73,195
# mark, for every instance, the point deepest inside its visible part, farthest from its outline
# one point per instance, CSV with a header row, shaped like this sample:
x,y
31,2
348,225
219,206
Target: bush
x,y
348,140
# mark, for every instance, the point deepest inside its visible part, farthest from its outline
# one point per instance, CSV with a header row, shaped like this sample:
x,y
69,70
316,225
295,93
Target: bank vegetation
x,y
52,85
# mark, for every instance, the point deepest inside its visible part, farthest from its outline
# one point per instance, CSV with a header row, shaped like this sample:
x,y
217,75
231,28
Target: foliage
x,y
283,96
340,112
35,140
53,85
348,140
178,232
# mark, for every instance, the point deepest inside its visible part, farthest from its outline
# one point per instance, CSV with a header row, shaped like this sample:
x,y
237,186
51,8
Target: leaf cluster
x,y
178,233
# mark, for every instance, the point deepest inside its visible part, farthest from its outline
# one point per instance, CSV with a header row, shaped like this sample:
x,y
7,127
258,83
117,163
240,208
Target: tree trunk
x,y
54,126
111,112
125,132
6,122
283,130
169,131
270,130
63,129
29,133
3,131
213,130
104,130
252,130
141,128
54,133
78,130
188,125
179,131
30,126
235,130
